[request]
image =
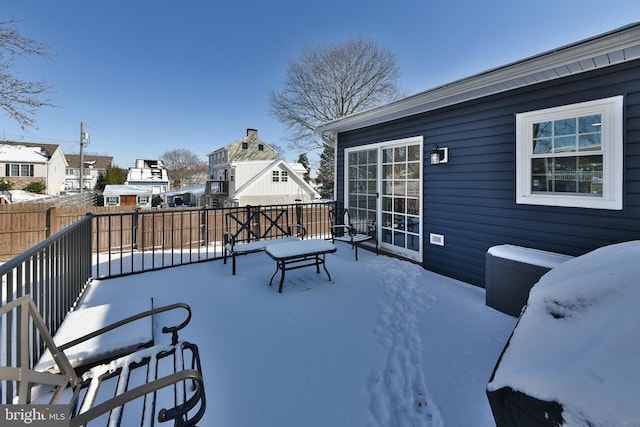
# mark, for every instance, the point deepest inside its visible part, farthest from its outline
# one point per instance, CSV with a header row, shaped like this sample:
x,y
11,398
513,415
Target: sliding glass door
x,y
384,183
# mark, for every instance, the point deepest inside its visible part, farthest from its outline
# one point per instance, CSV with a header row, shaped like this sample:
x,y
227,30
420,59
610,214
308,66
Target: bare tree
x,y
185,168
20,99
330,82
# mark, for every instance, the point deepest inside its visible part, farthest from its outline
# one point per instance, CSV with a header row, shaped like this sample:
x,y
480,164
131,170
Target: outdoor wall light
x,y
439,155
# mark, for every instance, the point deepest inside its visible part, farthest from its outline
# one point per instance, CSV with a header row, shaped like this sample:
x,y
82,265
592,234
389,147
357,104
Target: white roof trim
x,y
611,48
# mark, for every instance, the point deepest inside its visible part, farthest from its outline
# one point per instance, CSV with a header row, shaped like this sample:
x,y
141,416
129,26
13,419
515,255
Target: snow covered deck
x,y
389,344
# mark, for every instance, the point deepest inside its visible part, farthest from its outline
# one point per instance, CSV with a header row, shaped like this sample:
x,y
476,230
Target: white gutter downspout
x,y
331,138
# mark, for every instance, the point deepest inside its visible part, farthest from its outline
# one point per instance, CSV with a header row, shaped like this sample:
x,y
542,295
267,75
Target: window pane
x,y
565,175
564,144
387,204
371,203
542,130
413,170
386,235
398,239
372,172
373,157
400,154
362,157
387,220
400,171
590,142
413,188
590,177
541,146
414,153
413,206
387,155
541,171
352,159
387,171
413,242
15,170
399,205
590,124
564,127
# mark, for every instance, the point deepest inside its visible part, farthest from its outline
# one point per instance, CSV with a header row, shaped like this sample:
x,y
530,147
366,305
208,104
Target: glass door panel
x,y
392,171
401,196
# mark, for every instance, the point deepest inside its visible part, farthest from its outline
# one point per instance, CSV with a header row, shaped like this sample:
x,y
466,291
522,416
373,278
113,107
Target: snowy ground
x,y
386,343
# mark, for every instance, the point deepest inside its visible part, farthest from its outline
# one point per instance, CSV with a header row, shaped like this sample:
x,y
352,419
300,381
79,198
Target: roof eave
x,y
614,47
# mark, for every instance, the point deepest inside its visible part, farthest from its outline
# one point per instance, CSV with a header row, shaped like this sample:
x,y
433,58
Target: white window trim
x,y
611,110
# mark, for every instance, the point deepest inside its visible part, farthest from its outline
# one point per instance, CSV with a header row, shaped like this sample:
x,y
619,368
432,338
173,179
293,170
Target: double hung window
x,y
16,169
571,155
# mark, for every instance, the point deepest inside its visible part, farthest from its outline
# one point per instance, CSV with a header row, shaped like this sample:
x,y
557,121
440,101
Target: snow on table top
x,y
300,248
86,320
529,255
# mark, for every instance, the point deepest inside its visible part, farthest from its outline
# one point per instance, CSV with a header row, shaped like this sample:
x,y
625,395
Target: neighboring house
x,y
26,162
247,172
93,167
127,195
149,173
542,153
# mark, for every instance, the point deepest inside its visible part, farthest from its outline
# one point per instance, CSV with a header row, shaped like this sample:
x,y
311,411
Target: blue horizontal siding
x,y
471,199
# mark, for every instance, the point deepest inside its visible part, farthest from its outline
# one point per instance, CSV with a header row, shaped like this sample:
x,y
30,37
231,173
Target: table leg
x,y
283,268
324,265
274,274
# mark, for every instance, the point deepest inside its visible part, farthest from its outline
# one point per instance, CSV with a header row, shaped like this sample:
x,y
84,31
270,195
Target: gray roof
x,y
614,47
97,162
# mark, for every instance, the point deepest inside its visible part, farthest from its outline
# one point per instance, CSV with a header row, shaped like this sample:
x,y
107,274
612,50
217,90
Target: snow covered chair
x,y
125,390
353,232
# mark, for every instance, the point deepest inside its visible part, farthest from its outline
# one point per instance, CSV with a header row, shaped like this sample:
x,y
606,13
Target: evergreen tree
x,y
113,176
325,172
304,161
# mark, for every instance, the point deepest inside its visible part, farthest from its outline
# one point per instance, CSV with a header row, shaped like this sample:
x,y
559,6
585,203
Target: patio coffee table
x,y
303,253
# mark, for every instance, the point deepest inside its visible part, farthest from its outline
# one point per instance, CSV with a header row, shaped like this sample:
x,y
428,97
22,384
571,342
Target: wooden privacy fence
x,y
157,237
22,226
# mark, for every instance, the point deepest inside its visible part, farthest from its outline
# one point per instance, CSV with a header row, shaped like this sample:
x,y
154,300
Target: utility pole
x,y
84,138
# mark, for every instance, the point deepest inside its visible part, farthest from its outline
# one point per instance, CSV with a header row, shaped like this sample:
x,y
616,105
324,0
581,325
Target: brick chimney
x,y
252,133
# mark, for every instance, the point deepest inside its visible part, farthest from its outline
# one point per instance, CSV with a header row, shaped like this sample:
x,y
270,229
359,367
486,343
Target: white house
x,y
149,173
93,167
24,162
127,195
247,172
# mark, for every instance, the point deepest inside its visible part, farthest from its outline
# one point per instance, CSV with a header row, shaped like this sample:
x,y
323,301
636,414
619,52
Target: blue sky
x,y
147,76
